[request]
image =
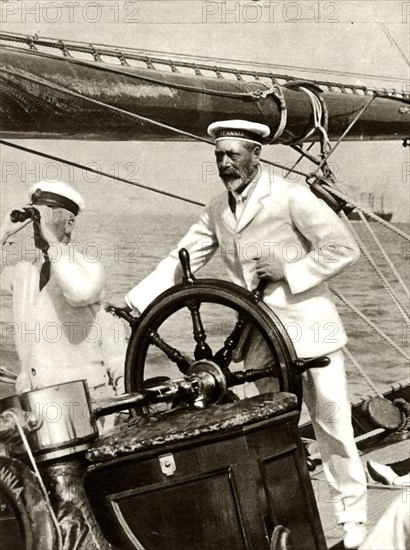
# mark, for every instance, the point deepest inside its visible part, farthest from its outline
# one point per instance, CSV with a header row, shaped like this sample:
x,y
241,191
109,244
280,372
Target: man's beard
x,y
232,179
232,183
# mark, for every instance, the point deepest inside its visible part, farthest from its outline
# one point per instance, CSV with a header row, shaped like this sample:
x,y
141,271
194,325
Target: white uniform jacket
x,y
283,222
62,333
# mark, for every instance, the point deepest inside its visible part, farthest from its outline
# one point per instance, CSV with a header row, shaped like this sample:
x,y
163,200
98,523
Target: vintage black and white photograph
x,y
205,268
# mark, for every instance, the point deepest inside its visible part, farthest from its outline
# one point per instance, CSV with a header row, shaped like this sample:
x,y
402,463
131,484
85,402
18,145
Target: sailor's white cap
x,y
57,194
242,130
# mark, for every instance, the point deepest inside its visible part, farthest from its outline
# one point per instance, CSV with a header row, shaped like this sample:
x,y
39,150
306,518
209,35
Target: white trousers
x,y
326,397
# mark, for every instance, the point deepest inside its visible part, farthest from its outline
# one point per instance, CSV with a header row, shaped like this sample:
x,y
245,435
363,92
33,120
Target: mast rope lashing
x,y
276,91
318,120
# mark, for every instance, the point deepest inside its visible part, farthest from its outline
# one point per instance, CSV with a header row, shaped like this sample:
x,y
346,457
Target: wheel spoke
x,y
202,349
173,354
223,356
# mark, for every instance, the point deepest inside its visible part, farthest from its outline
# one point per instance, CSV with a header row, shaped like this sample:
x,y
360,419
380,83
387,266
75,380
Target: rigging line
x,y
394,42
302,155
369,213
362,372
54,43
108,175
369,322
385,282
341,138
100,172
384,254
129,114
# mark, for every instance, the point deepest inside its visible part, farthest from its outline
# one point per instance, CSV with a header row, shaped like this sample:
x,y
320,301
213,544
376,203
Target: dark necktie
x,y
232,202
44,272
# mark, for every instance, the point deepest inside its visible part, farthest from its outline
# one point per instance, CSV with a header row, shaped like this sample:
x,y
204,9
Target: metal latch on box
x,y
167,463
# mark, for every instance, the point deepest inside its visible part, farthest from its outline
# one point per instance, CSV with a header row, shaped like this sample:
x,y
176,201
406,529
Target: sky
x,y
360,42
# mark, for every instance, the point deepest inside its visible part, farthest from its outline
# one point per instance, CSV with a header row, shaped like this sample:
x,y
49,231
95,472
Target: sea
x,y
130,246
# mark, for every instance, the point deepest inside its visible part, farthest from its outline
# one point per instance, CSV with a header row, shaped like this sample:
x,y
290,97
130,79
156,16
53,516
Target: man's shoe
x,y
354,534
381,473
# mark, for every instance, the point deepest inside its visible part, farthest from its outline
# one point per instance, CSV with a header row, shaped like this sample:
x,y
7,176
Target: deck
x,y
379,496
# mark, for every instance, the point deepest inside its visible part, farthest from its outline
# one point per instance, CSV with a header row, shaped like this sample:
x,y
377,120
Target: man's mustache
x,y
228,172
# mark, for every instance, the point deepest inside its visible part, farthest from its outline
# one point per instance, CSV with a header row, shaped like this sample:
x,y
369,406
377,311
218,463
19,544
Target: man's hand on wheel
x,y
118,306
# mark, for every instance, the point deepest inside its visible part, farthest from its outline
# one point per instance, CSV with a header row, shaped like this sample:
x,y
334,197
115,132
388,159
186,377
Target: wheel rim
x,y
217,293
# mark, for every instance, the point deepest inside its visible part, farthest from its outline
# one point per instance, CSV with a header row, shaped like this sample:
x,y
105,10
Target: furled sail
x,y
63,97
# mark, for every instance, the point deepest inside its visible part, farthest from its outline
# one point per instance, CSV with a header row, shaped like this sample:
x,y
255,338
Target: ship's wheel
x,y
206,322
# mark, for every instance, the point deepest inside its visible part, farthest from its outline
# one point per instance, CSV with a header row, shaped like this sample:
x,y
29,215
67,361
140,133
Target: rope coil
x,y
404,408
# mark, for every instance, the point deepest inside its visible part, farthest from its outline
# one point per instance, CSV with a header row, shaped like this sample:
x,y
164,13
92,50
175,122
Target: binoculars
x,y
18,216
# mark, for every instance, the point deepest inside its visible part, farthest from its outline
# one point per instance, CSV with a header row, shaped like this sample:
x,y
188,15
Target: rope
x,y
299,149
100,172
385,282
317,118
384,254
366,319
361,371
341,138
369,213
404,408
37,474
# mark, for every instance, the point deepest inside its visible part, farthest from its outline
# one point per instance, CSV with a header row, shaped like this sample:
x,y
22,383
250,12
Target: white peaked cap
x,y
57,194
243,130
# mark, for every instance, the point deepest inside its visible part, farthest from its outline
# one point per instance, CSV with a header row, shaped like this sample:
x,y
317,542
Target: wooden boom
x,y
51,97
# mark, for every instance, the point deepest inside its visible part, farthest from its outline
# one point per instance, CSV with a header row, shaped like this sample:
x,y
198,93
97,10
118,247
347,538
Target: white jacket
x,y
283,222
63,333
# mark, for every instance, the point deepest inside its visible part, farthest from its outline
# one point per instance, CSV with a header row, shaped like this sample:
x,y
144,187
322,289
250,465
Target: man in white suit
x,y
273,229
62,332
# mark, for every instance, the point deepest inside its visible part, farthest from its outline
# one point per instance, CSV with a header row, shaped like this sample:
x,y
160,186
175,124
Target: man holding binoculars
x,y
57,299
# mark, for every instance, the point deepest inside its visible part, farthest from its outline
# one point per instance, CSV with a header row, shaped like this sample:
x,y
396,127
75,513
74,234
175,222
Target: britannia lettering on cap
x,y
239,129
